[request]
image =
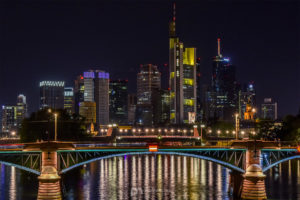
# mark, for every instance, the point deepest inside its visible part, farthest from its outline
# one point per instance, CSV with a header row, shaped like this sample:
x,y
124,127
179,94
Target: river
x,y
149,177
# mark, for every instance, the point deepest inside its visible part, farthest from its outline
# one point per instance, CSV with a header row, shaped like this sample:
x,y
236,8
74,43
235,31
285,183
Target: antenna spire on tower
x,y
172,25
219,47
174,12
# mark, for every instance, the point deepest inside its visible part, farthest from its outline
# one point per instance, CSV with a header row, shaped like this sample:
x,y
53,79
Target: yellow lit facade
x,y
88,111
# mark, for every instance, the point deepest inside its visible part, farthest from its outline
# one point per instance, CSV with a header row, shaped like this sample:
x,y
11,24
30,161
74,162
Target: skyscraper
x,y
88,111
269,109
247,96
78,92
148,79
96,89
118,101
223,91
182,64
69,99
131,108
21,109
52,94
9,122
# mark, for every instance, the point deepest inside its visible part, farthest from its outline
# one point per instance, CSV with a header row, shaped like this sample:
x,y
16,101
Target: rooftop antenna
x,y
219,48
172,28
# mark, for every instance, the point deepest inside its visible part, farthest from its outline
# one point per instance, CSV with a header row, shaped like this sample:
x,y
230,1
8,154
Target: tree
x,y
40,126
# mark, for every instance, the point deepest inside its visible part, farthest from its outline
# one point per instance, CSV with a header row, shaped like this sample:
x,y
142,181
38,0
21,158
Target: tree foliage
x,y
40,126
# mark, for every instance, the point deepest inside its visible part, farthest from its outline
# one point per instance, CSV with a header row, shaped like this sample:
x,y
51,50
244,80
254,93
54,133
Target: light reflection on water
x,y
149,177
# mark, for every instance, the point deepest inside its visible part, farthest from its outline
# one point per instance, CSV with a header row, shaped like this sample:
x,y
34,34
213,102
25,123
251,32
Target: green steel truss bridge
x,y
234,157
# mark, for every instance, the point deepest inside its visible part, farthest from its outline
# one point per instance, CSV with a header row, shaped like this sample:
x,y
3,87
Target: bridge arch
x,y
280,161
20,167
225,164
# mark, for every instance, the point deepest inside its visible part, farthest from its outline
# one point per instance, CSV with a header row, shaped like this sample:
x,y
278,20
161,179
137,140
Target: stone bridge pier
x,y
251,184
49,180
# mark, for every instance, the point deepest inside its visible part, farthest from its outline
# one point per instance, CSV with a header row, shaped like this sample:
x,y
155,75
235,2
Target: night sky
x,y
58,40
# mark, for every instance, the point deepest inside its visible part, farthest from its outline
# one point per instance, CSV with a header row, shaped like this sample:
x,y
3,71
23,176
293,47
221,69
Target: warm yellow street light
x,y
55,127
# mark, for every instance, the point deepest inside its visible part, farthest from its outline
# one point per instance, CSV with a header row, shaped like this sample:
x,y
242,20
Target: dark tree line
x,y
40,126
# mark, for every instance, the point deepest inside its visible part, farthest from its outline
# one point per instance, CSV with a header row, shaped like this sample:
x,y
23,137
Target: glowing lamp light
x,y
298,148
147,130
153,148
133,130
152,130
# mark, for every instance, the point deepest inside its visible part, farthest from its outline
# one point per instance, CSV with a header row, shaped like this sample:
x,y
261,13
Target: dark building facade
x,y
78,93
223,96
52,94
148,79
118,101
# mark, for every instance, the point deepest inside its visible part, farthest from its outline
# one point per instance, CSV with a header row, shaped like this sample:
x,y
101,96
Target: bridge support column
x,y
254,178
49,180
235,184
254,183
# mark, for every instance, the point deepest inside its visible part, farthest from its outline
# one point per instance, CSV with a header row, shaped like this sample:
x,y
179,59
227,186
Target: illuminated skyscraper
x,y
148,79
118,101
182,64
21,109
88,111
69,99
52,94
9,122
96,89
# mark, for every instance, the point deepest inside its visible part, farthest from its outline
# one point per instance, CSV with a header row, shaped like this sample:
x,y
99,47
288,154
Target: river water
x,y
149,177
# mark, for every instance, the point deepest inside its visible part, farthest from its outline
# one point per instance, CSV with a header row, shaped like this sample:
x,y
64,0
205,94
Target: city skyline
x,y
272,66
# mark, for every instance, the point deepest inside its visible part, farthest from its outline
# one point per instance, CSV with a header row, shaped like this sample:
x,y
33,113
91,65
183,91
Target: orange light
x,y
153,148
298,148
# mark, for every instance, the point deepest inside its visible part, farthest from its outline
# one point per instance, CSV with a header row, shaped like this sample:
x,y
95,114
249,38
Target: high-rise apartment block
x,y
52,94
269,109
118,101
182,82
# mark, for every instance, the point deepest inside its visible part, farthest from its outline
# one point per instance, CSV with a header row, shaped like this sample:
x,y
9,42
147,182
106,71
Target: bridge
x,y
247,160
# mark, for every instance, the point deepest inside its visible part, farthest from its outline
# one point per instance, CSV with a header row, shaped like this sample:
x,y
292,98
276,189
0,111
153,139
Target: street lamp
x,y
55,126
202,126
13,133
237,126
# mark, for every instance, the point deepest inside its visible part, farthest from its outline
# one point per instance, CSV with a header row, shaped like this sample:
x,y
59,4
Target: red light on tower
x,y
81,77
